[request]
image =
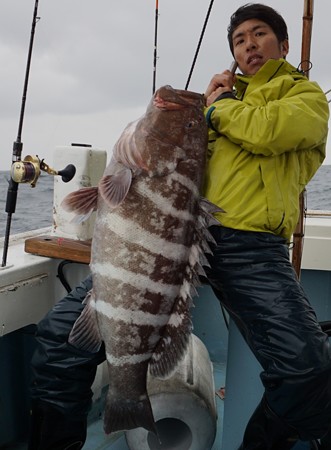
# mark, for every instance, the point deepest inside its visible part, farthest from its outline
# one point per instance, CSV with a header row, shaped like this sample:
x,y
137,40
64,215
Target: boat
x,y
42,263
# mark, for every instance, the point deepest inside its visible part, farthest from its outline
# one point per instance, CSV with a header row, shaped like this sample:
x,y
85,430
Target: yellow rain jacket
x,y
265,147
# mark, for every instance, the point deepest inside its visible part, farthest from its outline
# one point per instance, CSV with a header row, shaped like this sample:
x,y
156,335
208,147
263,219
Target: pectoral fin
x,y
82,202
115,186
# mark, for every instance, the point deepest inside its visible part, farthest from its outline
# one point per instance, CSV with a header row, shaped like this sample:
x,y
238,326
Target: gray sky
x,y
92,63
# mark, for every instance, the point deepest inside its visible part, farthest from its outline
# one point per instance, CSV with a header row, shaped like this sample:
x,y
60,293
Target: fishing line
x,y
199,44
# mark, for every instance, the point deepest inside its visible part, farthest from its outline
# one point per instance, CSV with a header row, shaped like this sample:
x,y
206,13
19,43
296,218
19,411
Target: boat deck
x,y
96,439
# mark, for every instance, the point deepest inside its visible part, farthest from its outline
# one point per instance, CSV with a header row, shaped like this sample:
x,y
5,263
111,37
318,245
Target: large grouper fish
x,y
147,251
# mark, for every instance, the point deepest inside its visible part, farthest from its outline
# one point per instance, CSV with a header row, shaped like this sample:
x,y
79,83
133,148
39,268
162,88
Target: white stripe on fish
x,y
184,181
129,316
137,280
127,359
152,242
162,203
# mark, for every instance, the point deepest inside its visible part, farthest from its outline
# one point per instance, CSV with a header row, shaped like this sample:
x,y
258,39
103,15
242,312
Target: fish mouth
x,y
161,103
167,98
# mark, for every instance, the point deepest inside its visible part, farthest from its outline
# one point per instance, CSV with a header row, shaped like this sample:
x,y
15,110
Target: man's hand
x,y
219,84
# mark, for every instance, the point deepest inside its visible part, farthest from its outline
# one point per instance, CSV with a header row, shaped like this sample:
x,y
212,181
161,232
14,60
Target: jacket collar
x,y
271,69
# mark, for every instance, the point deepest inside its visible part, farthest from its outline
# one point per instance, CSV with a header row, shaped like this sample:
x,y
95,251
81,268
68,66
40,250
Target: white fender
x,y
183,405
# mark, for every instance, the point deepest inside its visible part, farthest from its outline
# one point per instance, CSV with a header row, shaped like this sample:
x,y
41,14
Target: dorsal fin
x,y
173,344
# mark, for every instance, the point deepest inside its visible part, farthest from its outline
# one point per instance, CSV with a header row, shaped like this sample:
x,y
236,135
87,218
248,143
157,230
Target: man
x,y
266,142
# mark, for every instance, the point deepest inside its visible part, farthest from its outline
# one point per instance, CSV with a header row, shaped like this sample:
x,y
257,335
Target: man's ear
x,y
284,48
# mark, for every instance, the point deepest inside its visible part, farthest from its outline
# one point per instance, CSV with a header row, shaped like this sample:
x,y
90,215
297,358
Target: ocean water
x,y
34,205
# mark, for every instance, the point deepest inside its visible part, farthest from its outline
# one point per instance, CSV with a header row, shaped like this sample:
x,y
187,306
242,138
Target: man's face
x,y
254,43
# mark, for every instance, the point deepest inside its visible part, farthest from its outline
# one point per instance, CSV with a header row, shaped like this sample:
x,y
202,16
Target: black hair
x,y
261,12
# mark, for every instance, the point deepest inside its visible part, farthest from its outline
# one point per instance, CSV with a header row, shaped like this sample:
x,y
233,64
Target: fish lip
x,y
167,105
168,98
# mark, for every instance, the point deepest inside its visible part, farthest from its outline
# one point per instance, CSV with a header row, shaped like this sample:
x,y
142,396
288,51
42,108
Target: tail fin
x,y
126,414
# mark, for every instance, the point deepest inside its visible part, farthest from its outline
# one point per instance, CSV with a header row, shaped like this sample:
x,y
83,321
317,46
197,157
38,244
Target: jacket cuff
x,y
228,94
212,107
208,117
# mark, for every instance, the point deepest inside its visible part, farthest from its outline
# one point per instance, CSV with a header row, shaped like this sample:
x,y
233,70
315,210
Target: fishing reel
x,y
28,170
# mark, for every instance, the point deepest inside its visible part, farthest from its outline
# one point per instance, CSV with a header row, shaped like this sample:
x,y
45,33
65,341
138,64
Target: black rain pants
x,y
62,375
252,276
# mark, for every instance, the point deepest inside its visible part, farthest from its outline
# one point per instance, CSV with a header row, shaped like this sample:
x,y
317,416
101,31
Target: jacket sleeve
x,y
281,116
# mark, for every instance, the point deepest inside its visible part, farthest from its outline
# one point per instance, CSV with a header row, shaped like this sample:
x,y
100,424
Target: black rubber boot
x,y
52,430
325,442
266,431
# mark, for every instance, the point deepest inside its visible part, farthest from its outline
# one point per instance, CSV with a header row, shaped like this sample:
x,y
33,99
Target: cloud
x,y
92,62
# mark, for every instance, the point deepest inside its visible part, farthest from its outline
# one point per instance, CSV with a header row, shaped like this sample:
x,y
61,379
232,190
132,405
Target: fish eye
x,y
191,124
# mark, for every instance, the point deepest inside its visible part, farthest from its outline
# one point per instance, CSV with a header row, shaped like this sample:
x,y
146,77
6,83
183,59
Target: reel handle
x,y
67,173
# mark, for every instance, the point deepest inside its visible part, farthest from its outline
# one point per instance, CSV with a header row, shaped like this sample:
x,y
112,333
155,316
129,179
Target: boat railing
x,y
317,213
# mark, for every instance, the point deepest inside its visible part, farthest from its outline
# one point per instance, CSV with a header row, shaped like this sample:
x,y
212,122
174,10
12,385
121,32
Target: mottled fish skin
x,y
149,239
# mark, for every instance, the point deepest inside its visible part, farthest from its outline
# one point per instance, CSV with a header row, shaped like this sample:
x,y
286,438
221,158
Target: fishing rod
x,y
18,145
298,235
199,44
155,44
196,52
28,170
